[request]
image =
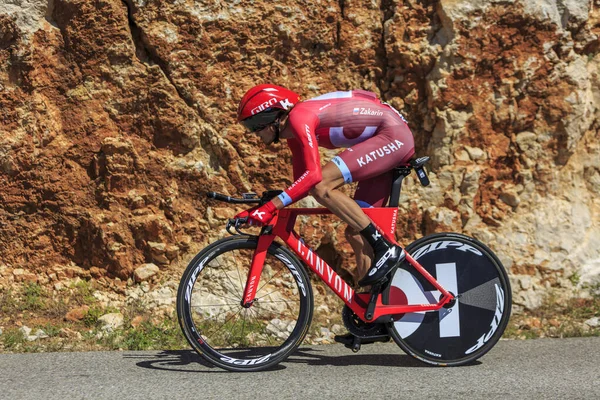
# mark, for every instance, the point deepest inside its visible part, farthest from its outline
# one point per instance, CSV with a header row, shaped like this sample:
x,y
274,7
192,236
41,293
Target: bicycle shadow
x,y
175,361
190,361
312,357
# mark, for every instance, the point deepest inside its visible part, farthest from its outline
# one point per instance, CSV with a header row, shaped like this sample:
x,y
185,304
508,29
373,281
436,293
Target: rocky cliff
x,y
116,115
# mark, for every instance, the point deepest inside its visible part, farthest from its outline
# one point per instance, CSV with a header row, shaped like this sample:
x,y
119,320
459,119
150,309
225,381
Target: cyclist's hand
x,y
244,216
259,215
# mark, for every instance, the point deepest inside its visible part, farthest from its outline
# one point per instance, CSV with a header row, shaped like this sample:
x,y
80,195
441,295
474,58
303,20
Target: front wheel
x,y
464,332
237,338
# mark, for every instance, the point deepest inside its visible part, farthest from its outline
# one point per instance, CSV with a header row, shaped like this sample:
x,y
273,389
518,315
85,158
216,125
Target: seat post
x,y
399,174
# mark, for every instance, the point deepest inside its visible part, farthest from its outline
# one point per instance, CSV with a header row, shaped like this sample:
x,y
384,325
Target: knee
x,y
321,191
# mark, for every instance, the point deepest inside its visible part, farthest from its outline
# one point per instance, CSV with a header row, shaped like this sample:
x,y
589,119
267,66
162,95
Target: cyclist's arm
x,y
305,155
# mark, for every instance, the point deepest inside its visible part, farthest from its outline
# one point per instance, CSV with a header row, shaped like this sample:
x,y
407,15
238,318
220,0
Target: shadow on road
x,y
175,361
190,361
313,356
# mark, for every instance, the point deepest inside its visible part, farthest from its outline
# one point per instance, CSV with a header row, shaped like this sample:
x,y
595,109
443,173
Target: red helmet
x,y
263,104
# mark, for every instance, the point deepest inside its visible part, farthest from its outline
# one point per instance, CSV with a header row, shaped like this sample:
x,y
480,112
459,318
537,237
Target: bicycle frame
x,y
283,227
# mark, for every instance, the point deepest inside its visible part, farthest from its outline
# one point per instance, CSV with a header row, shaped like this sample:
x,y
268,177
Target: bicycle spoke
x,y
292,315
216,305
262,304
255,312
233,284
224,323
229,332
243,327
291,311
264,330
276,290
279,301
240,277
273,277
256,319
235,301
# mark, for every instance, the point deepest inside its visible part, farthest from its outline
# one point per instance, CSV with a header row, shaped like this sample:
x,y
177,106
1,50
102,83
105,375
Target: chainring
x,y
359,328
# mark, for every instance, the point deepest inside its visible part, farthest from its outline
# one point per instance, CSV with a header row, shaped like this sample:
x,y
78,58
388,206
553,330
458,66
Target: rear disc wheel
x,y
463,332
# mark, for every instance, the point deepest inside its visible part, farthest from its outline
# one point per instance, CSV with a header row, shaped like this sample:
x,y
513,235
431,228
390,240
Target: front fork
x,y
258,260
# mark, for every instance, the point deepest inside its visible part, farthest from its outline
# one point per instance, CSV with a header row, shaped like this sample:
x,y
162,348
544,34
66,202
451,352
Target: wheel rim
x,y
242,336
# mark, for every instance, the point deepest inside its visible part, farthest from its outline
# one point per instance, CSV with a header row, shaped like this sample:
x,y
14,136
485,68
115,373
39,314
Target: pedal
x,y
349,341
356,344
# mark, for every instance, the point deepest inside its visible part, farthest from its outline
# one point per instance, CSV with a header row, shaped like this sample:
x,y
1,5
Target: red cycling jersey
x,y
375,134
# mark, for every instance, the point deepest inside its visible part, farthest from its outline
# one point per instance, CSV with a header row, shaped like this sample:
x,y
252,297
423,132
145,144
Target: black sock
x,y
375,238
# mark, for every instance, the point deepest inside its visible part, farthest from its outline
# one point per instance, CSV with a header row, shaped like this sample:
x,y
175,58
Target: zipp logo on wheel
x,y
254,361
495,322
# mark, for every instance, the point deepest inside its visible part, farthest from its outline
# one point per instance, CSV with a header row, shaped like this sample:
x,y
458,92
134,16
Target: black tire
x,y
233,337
466,331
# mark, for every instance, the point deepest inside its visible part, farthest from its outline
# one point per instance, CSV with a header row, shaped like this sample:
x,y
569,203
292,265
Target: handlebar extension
x,y
229,199
248,198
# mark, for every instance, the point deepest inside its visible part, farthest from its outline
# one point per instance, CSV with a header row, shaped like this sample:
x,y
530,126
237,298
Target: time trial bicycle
x,y
245,302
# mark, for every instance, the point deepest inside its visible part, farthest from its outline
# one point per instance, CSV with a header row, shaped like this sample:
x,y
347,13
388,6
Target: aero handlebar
x,y
247,199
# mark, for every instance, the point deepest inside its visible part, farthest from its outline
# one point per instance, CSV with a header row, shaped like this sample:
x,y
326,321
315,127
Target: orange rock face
x,y
116,116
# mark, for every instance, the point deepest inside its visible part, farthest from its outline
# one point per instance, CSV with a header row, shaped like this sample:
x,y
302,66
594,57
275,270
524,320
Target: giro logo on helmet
x,y
263,106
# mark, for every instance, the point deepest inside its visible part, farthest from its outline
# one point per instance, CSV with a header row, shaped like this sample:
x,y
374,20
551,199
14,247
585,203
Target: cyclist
x,y
376,138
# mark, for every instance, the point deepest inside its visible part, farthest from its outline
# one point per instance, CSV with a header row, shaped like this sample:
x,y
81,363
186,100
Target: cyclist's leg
x,y
347,210
362,252
326,193
372,192
366,160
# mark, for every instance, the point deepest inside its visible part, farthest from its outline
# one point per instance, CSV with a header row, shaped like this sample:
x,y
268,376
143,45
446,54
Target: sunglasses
x,y
261,120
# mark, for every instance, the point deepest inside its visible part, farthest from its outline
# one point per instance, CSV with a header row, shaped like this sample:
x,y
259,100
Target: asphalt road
x,y
533,369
